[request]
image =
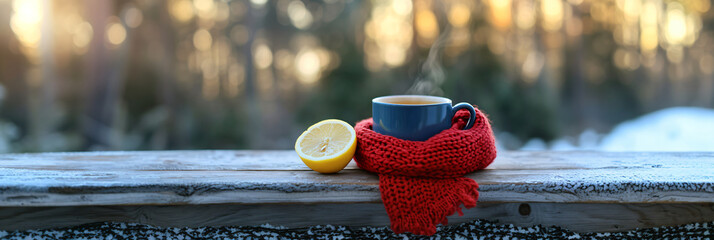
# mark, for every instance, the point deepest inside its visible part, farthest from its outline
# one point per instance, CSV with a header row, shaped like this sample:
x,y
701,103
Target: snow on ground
x,y
478,229
667,130
673,129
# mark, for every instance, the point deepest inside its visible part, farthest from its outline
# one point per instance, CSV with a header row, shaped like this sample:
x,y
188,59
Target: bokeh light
x,y
25,21
202,40
459,15
82,35
263,56
299,16
133,17
197,57
307,63
181,10
116,33
552,14
500,14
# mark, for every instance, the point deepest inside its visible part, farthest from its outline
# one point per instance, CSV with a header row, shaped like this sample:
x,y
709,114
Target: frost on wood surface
x,y
168,177
192,189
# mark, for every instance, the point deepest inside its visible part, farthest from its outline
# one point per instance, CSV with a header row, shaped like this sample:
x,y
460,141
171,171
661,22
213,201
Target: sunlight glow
x,y
631,9
202,40
181,10
694,26
649,36
426,26
526,16
500,14
676,25
299,16
402,7
116,33
205,9
25,21
307,64
262,56
221,39
389,33
459,15
82,35
259,3
552,14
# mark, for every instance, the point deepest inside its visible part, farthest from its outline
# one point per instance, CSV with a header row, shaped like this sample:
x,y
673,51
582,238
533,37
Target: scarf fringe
x,y
463,192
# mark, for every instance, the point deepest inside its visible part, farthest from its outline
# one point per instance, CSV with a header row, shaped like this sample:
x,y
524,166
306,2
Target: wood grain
x,y
579,217
222,160
248,177
581,191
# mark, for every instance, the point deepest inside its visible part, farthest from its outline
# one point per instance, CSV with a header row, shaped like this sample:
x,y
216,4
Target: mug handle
x,y
466,106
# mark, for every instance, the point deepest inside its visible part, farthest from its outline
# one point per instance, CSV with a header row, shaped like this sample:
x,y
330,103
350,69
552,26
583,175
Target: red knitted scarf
x,y
422,182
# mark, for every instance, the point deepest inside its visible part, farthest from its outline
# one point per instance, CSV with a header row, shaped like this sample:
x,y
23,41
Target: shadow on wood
x,y
577,217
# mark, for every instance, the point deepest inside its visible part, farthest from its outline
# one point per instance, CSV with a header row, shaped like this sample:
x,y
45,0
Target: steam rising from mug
x,y
432,75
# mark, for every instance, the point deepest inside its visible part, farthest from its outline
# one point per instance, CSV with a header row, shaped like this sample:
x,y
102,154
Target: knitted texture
x,y
421,182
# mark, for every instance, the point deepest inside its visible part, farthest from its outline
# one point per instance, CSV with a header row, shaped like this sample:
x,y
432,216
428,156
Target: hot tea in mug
x,y
415,117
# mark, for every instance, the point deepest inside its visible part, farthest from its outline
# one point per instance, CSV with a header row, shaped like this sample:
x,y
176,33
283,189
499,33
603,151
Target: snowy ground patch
x,y
478,229
669,130
674,129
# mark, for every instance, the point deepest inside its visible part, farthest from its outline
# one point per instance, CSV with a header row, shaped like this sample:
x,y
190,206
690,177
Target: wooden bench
x,y
581,191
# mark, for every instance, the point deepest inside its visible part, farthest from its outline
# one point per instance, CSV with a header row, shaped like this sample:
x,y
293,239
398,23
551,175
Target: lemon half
x,y
327,146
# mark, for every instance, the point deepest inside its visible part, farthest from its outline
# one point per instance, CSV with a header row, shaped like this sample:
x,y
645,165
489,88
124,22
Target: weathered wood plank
x,y
244,177
201,160
76,188
582,191
223,160
576,217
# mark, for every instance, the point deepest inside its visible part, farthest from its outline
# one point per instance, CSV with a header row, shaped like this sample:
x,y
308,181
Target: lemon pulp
x,y
328,146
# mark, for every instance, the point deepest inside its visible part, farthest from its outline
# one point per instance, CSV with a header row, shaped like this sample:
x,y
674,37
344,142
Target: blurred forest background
x,y
204,74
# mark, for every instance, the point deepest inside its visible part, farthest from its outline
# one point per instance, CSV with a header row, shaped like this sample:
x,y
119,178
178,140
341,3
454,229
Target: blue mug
x,y
415,117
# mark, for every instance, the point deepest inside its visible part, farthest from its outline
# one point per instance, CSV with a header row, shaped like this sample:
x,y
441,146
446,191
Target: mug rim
x,y
439,100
